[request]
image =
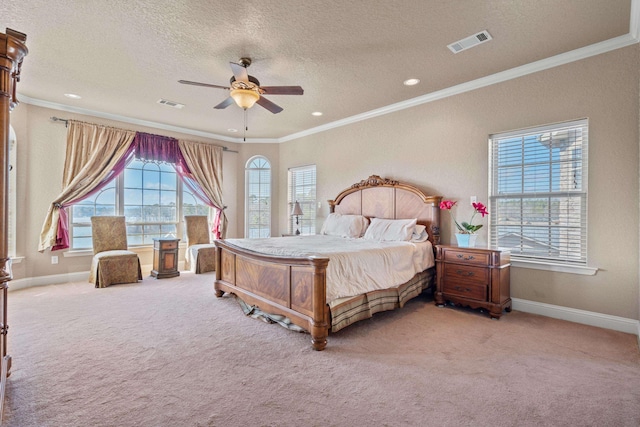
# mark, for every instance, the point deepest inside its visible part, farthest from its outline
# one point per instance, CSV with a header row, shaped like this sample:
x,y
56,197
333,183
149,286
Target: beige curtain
x,y
92,152
205,164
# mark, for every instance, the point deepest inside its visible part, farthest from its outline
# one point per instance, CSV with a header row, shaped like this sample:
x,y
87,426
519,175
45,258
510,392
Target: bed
x,y
294,287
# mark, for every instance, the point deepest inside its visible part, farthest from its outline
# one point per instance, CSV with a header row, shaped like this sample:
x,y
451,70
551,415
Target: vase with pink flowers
x,y
466,231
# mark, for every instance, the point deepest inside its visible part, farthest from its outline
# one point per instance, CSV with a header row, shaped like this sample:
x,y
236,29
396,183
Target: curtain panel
x,y
204,167
94,156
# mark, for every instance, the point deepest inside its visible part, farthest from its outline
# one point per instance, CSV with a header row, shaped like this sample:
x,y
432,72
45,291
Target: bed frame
x,y
295,287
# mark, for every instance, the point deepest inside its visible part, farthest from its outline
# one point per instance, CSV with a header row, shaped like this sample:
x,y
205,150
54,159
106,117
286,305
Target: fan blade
x,y
265,103
187,82
239,72
282,90
224,104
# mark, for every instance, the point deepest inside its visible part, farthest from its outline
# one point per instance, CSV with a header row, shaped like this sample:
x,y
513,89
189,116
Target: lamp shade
x,y
297,210
245,98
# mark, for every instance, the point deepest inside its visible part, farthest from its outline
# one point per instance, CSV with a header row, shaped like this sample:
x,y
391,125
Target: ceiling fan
x,y
246,90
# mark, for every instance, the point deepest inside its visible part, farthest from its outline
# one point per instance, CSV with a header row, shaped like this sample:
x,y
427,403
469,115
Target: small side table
x,y
165,257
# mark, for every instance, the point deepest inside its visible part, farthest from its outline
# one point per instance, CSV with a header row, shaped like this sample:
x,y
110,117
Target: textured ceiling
x,y
350,57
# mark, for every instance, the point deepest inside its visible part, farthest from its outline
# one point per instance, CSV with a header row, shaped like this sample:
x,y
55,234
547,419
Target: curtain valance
x,y
157,148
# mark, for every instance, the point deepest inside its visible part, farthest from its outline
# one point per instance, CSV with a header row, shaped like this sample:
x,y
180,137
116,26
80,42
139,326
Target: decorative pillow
x,y
390,229
419,234
344,225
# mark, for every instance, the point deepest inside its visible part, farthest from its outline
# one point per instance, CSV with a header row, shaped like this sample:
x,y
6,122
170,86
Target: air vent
x,y
469,42
170,103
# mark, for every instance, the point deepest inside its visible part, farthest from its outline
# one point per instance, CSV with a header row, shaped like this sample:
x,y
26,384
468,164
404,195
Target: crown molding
x,y
124,119
634,24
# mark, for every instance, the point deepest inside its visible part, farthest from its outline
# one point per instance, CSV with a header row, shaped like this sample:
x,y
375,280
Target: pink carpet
x,y
169,353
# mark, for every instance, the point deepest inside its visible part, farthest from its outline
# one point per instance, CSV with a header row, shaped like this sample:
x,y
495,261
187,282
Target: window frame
x,y
119,209
308,219
248,227
521,174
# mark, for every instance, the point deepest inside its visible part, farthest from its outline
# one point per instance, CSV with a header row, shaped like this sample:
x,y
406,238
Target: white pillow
x,y
419,234
390,229
344,225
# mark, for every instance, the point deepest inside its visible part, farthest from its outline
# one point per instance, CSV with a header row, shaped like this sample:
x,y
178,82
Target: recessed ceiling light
x,y
232,130
411,82
316,113
72,96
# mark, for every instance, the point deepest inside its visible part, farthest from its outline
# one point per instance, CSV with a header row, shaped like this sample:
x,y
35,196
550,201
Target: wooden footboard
x,y
294,287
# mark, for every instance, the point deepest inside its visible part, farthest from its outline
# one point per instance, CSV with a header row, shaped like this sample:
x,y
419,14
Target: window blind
x,y
538,192
302,189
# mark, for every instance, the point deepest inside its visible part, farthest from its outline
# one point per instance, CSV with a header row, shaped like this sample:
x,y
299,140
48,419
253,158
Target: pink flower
x,y
447,204
480,208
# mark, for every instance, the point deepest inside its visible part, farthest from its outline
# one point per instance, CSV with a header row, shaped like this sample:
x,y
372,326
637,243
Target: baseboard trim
x,y
54,279
57,279
591,318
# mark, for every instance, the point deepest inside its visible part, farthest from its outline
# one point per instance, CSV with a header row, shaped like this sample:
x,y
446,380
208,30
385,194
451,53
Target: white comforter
x,y
356,266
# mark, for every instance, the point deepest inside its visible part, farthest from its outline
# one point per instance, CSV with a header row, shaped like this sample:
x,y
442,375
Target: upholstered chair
x,y
112,261
201,253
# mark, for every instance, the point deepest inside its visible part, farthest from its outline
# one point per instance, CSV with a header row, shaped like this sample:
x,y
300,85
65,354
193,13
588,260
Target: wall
x,y
40,160
442,147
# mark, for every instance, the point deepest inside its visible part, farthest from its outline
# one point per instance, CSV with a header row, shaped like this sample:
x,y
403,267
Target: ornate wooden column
x,y
12,52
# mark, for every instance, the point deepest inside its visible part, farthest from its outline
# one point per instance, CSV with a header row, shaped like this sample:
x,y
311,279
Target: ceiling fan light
x,y
244,98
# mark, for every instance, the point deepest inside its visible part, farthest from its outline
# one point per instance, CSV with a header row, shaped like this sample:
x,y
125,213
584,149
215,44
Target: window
x,y
258,198
151,198
538,193
302,189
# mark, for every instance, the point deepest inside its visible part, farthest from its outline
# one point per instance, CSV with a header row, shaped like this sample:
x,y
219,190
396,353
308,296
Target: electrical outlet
x,y
473,199
54,259
319,205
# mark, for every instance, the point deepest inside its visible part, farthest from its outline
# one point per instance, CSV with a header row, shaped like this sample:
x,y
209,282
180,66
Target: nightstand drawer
x,y
467,257
466,290
466,273
168,244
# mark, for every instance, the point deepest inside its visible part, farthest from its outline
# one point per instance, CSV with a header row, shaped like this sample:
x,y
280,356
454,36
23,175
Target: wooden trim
x,y
12,52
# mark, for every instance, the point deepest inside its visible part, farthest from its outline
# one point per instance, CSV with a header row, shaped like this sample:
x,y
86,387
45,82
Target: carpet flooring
x,y
169,353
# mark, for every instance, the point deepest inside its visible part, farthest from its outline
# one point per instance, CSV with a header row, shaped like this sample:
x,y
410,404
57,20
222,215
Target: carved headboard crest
x,y
374,180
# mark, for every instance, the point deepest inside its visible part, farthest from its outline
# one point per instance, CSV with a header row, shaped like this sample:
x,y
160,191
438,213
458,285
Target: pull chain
x,y
246,126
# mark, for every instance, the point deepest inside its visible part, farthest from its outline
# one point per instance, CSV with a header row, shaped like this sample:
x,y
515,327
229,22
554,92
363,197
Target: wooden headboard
x,y
377,197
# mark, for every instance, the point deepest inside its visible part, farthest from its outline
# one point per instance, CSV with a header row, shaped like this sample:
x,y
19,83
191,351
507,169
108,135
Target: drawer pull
x,y
464,273
460,288
468,258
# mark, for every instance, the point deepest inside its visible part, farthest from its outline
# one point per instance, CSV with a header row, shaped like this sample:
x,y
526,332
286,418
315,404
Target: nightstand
x,y
474,277
165,257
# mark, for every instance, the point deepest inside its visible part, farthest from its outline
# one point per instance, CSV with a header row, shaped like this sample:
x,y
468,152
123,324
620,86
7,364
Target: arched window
x,y
258,198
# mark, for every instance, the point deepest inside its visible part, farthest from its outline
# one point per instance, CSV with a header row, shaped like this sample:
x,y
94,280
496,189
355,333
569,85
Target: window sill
x,y
136,249
560,268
